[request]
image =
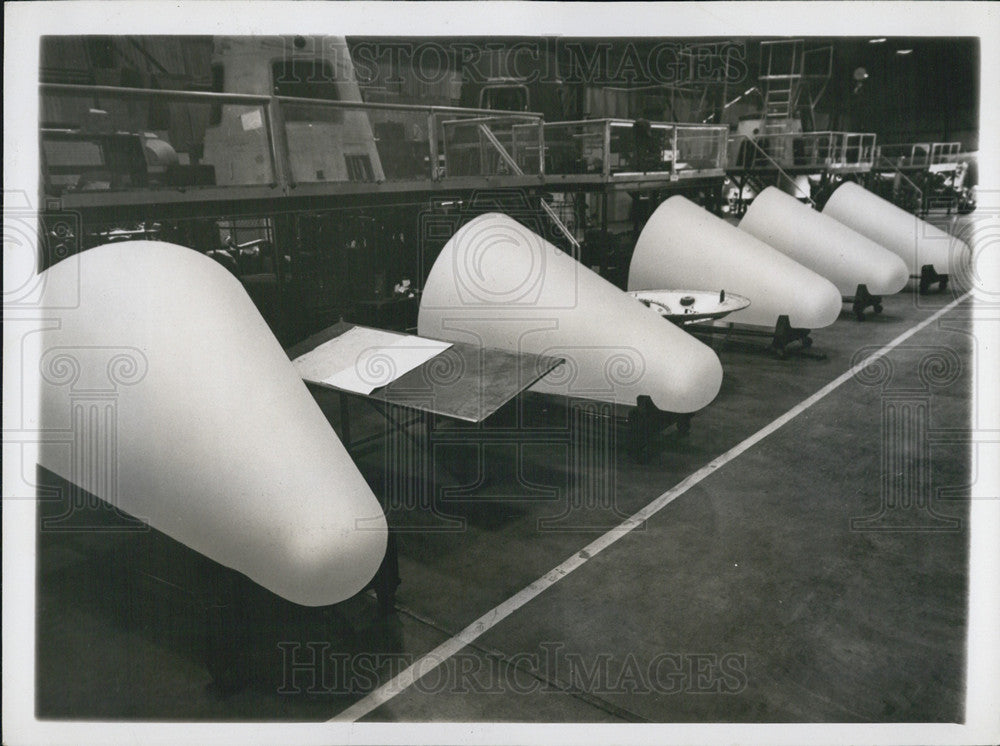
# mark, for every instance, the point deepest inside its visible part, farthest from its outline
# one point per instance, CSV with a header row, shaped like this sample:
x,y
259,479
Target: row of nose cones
x,y
204,430
499,285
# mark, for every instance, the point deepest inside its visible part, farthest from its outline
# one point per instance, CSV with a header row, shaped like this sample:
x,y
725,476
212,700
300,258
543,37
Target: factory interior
x,y
506,380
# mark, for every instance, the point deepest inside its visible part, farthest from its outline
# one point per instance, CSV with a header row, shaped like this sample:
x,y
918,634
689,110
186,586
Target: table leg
x,y
345,419
387,578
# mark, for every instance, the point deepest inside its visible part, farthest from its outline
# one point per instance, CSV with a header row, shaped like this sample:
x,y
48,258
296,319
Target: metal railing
x,y
758,155
561,227
493,145
97,138
617,147
855,149
945,152
700,147
818,150
903,182
921,154
107,138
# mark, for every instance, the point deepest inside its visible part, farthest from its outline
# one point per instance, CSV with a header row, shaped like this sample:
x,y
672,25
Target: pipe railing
x,y
922,154
262,132
510,144
608,146
820,150
777,166
897,173
561,227
394,142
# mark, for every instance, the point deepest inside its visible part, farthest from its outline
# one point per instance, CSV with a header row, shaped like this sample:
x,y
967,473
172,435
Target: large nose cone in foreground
x,y
685,246
824,245
916,241
498,284
179,407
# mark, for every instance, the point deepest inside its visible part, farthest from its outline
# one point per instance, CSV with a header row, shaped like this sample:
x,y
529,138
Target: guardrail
x,y
106,138
855,149
904,182
945,152
621,147
756,154
818,150
921,154
493,145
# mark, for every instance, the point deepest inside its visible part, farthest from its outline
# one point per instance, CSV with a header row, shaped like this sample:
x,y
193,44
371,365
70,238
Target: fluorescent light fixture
x,y
877,41
903,51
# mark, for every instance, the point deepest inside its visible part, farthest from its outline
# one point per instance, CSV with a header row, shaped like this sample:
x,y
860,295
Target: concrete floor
x,y
750,598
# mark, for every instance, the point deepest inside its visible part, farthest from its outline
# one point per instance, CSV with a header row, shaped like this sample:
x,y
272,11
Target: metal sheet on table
x,y
465,382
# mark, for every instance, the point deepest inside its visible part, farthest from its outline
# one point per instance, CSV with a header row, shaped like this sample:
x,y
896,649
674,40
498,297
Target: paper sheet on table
x,y
362,360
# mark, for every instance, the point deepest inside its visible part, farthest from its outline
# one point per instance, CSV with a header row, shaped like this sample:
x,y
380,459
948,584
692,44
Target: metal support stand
x,y
645,420
929,277
387,579
863,299
783,335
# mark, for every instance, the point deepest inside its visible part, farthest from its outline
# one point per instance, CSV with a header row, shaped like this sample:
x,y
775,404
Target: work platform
x,y
108,148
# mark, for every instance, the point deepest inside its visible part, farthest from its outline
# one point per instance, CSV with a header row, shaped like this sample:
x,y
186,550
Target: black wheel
x,y
859,315
942,284
924,287
807,342
878,308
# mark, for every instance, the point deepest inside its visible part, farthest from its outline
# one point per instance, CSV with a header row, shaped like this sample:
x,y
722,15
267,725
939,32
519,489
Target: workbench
x,y
464,383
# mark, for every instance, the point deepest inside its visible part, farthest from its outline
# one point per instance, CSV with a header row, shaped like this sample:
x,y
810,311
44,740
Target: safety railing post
x,y
432,147
674,134
277,137
607,149
541,147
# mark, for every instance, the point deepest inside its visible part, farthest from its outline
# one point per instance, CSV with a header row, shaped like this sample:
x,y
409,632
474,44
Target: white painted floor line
x,y
494,616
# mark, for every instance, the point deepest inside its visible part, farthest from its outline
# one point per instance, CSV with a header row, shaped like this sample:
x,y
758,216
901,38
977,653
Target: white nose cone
x,y
916,241
498,284
174,402
824,245
685,246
